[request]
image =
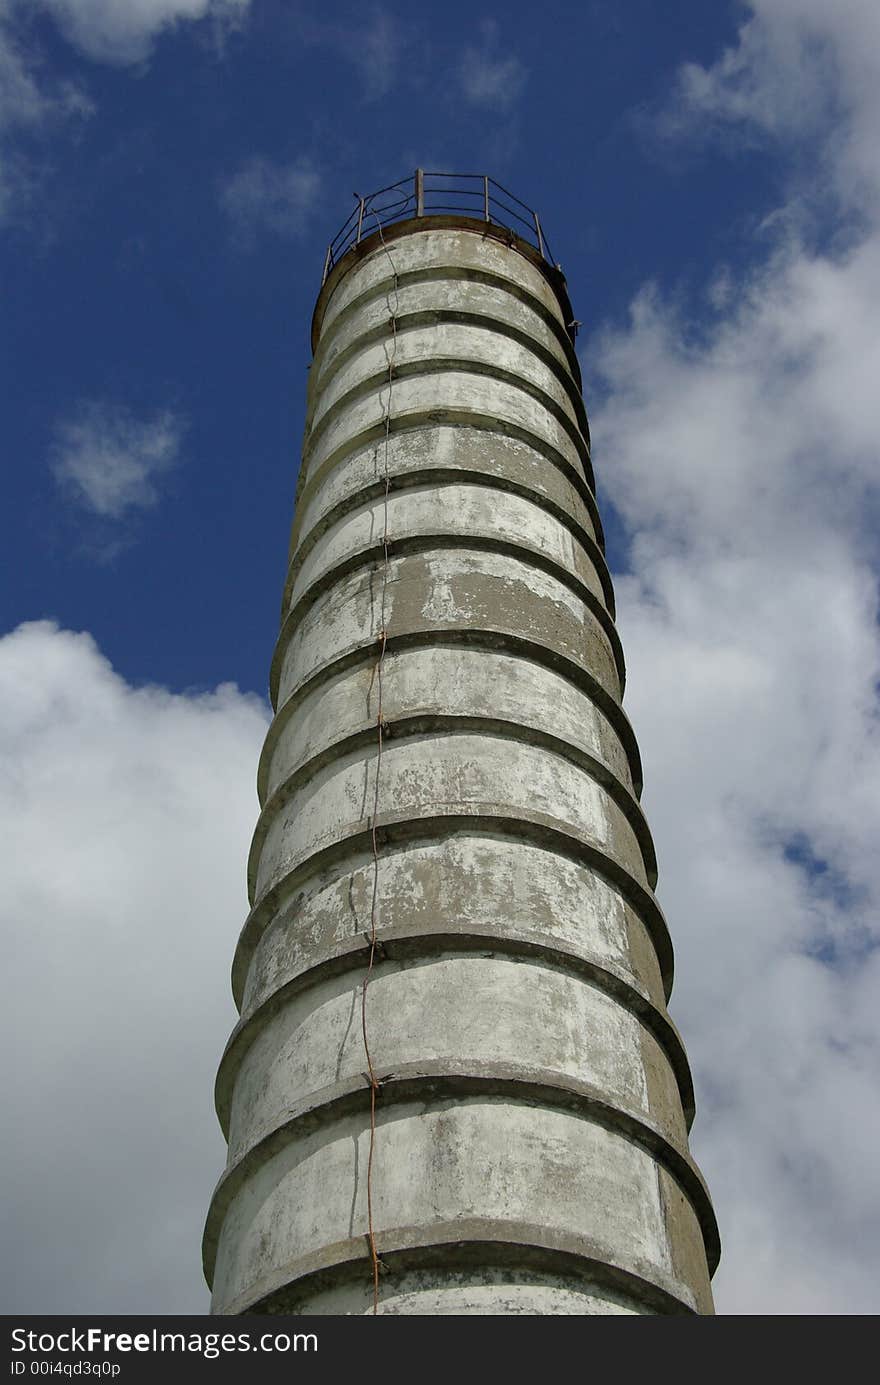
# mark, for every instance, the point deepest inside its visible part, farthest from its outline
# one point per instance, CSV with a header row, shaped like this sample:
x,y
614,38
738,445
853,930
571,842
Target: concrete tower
x,y
454,1087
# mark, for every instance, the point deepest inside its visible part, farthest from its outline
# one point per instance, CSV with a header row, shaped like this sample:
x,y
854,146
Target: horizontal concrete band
x,y
476,360
418,1021
479,888
452,432
600,1188
349,957
390,829
433,370
489,301
488,296
471,441
418,432
435,775
476,518
452,281
482,587
473,1279
474,248
389,340
442,483
435,1083
403,546
412,347
487,641
472,1244
431,680
408,330
467,399
364,743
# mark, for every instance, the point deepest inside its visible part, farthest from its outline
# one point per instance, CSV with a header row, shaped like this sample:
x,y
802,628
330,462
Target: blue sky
x,y
153,268
170,174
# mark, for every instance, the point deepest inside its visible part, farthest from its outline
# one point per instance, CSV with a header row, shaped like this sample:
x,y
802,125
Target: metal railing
x,y
436,194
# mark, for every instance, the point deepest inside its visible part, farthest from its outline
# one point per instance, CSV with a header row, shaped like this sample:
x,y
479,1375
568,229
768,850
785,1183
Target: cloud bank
x,y
738,440
124,813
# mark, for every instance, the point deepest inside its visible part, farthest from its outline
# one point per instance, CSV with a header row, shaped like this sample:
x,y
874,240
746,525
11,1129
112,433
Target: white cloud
x,y
111,461
124,31
125,815
799,68
265,196
22,101
376,49
373,40
489,77
743,458
32,105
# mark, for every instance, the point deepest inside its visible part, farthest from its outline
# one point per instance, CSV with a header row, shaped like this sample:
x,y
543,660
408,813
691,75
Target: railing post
x,y
486,216
360,221
420,192
326,264
538,233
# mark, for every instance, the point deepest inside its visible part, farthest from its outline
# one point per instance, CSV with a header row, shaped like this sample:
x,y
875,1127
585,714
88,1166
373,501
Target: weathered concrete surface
x,y
530,1154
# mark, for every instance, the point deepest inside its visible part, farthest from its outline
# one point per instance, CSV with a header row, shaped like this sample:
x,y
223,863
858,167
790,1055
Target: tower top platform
x,y
425,200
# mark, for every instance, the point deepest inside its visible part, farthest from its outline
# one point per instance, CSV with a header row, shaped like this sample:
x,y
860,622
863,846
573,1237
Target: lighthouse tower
x,y
454,1087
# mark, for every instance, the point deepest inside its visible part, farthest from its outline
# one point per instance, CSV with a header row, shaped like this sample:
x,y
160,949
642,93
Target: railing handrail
x,y
418,198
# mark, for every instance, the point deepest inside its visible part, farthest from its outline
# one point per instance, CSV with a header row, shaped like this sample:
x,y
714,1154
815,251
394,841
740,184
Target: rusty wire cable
x,y
382,639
